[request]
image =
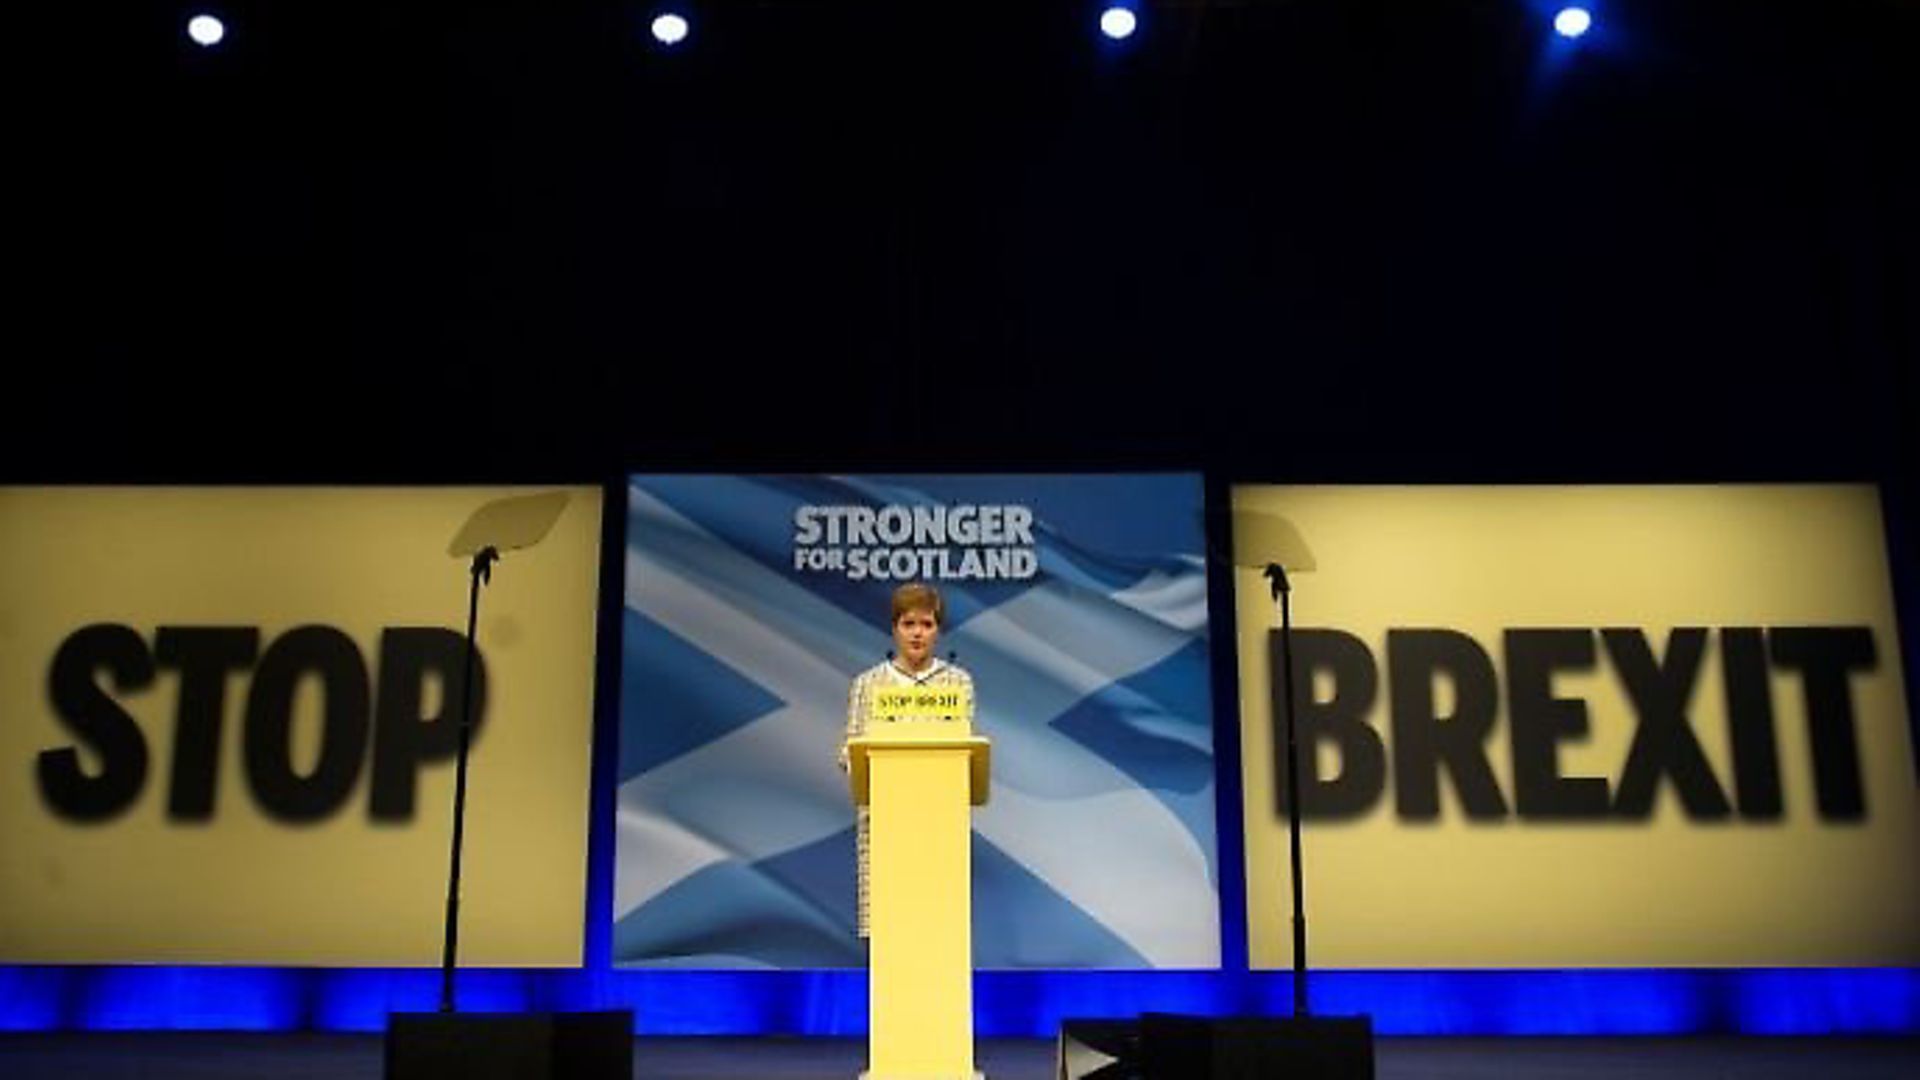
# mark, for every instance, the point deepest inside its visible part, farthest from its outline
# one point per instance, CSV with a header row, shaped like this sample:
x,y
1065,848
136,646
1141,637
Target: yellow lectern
x,y
919,779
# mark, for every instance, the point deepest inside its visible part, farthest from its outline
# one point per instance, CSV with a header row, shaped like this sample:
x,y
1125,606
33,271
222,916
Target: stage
x,y
220,1056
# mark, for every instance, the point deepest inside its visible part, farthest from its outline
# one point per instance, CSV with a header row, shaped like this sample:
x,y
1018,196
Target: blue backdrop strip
x,y
1008,1004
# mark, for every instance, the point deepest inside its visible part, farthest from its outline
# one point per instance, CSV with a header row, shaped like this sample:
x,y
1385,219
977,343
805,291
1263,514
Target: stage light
x,y
670,28
1572,22
206,31
1118,23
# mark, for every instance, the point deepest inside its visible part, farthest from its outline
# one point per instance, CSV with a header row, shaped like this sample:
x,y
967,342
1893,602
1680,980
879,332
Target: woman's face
x,y
915,633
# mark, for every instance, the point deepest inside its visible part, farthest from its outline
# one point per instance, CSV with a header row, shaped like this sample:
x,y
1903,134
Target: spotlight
x,y
1118,23
1572,22
206,31
670,28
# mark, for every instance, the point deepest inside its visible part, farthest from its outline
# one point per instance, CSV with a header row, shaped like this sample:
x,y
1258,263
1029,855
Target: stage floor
x,y
194,1056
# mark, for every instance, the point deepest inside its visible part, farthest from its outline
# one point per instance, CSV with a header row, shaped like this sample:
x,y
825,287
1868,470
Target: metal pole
x,y
482,571
1285,592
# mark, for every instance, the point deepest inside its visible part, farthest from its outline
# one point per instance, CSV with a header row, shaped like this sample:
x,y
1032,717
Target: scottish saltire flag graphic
x,y
1079,605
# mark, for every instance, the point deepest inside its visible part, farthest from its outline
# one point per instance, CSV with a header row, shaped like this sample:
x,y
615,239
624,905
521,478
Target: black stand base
x,y
510,1046
1256,1048
1162,1046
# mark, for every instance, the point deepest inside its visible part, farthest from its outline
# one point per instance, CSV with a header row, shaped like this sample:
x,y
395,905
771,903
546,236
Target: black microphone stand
x,y
1282,594
442,1044
482,571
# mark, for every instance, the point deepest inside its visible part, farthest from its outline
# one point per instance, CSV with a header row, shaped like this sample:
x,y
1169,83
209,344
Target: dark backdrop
x,y
1315,239
1373,240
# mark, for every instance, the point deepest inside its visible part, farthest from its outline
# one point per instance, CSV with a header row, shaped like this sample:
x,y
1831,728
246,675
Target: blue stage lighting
x,y
1572,22
1118,22
206,31
670,28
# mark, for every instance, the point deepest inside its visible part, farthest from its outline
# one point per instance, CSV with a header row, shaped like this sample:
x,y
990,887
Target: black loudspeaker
x,y
510,1046
1098,1050
1256,1047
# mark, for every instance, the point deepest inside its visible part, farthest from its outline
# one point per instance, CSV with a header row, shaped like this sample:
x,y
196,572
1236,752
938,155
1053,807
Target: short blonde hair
x,y
918,596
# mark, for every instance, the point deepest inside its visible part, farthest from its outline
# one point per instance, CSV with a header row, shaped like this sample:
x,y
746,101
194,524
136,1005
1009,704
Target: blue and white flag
x,y
1079,605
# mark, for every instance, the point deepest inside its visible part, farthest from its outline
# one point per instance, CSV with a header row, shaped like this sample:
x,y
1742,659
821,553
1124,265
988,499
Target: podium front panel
x,y
920,913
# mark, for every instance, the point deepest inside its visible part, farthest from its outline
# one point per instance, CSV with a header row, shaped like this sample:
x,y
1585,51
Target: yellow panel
x,y
244,885
1667,890
921,1005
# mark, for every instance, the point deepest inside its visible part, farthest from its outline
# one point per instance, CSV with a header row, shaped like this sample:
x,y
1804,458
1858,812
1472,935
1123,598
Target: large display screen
x,y
228,724
1076,603
1579,727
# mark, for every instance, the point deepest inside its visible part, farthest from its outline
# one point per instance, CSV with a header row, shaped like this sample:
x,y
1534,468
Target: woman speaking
x,y
918,615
